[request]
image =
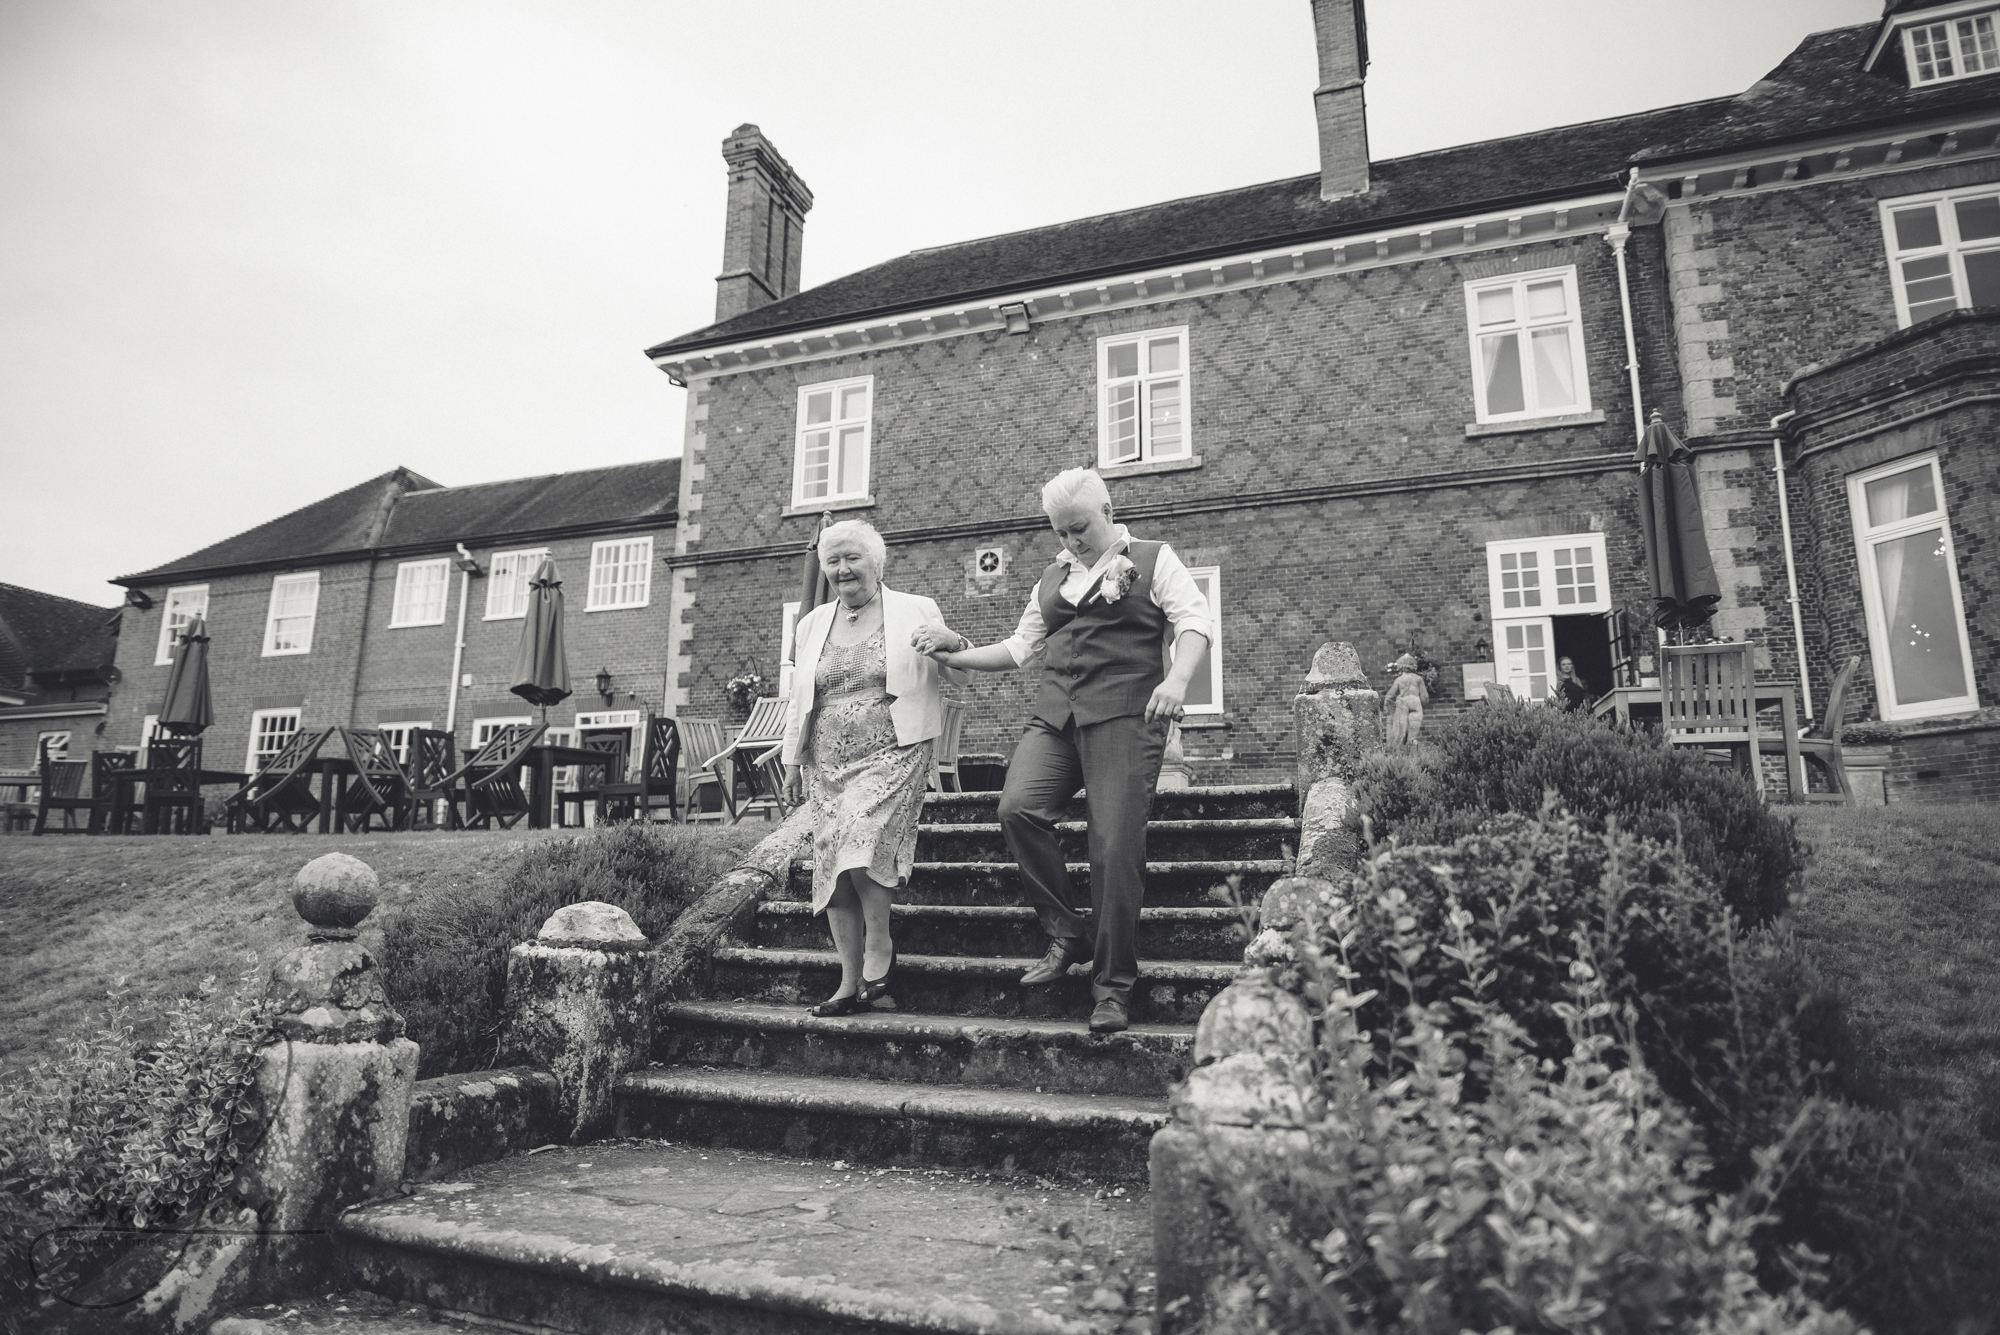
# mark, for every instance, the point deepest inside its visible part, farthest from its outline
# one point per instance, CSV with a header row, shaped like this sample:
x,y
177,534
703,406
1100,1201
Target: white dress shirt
x,y
1174,592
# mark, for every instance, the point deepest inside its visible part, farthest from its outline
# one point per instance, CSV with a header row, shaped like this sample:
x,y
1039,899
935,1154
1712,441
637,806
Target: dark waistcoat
x,y
1102,660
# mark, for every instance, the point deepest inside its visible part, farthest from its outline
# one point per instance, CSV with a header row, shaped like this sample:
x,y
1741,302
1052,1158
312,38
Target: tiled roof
x,y
40,632
1818,88
402,510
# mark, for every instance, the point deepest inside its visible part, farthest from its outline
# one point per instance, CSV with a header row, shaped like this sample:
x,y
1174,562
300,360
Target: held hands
x,y
937,642
1165,706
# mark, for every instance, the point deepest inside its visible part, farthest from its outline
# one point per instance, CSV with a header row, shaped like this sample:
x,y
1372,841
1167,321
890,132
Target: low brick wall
x,y
1947,764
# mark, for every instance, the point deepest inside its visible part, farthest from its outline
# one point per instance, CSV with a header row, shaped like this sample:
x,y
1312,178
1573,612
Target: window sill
x,y
1473,429
1150,466
618,607
414,625
820,507
1199,722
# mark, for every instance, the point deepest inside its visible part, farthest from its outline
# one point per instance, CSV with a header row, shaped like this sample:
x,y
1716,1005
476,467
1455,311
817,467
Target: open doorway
x,y
1584,640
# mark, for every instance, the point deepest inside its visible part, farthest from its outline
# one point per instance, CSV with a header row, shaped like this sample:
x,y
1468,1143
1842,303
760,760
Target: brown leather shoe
x,y
1063,952
1108,1017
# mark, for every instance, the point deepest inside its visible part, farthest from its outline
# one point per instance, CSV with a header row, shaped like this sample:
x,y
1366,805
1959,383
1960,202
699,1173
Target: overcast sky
x,y
252,253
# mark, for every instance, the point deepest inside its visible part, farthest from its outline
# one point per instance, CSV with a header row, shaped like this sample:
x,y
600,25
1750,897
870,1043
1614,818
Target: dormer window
x,y
1953,49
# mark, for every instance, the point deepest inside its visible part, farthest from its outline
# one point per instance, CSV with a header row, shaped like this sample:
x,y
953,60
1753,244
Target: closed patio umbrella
x,y
813,586
541,664
1685,590
188,708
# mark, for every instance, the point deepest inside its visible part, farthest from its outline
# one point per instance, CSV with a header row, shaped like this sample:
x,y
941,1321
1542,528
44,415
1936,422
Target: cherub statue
x,y
1404,702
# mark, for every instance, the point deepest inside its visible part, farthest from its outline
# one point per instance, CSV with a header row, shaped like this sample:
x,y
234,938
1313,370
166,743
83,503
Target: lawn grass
x,y
78,914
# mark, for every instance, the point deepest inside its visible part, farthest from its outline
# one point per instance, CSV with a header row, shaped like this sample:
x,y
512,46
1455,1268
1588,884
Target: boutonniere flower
x,y
1118,579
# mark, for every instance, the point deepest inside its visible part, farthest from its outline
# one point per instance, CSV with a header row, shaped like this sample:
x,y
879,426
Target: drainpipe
x,y
1617,234
466,567
1791,567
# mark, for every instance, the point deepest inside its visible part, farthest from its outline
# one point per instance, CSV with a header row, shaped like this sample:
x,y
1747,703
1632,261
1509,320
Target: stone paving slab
x,y
340,1314
644,1222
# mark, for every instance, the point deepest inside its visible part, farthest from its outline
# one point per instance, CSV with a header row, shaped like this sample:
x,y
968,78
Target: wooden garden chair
x,y
944,751
62,791
702,740
492,779
114,812
433,756
380,790
1708,698
1822,743
752,757
282,790
653,783
173,804
591,781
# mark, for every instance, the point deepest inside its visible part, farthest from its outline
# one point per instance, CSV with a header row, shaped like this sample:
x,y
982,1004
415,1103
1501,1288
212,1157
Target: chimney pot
x,y
1341,30
765,226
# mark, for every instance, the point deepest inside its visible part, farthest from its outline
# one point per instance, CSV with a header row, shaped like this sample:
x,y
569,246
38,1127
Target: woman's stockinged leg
x,y
879,949
845,919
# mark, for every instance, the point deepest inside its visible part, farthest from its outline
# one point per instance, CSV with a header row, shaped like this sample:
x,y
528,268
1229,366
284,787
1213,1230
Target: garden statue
x,y
1404,700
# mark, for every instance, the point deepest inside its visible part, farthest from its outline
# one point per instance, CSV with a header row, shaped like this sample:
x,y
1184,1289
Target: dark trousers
x,y
1117,763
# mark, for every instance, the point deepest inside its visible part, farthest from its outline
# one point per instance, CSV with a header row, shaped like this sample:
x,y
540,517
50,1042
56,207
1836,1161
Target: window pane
x,y
1501,355
814,464
1496,305
1555,380
1926,656
1120,360
1978,218
1163,427
1916,228
1976,46
1905,495
1546,299
1982,278
853,481
853,402
1121,414
1928,287
1933,55
1163,356
819,407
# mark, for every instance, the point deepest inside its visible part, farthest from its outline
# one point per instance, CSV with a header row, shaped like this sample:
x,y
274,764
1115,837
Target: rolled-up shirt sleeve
x,y
1029,633
1176,594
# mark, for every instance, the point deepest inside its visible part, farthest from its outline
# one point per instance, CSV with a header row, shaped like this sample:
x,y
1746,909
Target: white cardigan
x,y
917,705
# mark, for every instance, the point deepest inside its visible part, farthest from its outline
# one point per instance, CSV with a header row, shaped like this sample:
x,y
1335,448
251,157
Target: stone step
x,y
615,1238
999,929
1168,991
1218,802
1166,840
1057,1056
1075,1136
1168,884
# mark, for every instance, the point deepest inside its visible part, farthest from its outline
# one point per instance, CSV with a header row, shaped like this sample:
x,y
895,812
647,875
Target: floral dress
x,y
866,792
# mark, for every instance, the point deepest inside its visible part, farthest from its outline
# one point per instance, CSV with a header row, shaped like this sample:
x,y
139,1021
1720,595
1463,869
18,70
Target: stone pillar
x,y
578,1003
1336,718
1175,773
1239,1119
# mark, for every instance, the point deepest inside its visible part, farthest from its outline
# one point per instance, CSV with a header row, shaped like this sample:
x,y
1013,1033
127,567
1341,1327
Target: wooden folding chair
x,y
492,779
702,740
653,783
381,791
1822,743
282,789
944,751
1708,698
62,791
172,804
433,755
749,758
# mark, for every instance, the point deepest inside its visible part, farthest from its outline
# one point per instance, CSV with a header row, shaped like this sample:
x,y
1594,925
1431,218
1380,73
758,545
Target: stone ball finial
x,y
1335,664
334,892
591,925
1253,1015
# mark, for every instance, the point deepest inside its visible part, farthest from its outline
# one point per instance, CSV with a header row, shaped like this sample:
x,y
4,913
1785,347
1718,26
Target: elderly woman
x,y
865,708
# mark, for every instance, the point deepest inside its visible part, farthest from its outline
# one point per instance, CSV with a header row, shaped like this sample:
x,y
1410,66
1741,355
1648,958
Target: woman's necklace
x,y
854,613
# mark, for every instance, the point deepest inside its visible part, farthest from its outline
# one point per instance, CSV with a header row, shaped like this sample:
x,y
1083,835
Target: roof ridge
x,y
535,477
58,597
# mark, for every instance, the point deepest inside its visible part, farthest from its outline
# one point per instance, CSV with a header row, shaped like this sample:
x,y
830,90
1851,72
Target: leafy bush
x,y
445,953
1460,1181
1508,758
111,1134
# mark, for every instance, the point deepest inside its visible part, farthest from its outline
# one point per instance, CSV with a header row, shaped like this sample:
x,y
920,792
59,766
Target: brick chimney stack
x,y
1342,31
765,229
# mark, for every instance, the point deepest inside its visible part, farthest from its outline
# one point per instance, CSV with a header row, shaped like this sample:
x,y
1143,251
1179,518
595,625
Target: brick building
x,y
1394,402
56,674
351,610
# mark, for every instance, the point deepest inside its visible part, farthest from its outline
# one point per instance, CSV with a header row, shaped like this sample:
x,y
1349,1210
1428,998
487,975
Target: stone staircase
x,y
970,1082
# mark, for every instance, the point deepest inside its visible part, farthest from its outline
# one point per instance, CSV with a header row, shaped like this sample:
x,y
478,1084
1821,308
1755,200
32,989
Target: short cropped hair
x,y
1075,486
873,549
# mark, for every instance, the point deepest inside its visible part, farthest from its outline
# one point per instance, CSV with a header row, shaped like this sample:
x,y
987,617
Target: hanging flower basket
x,y
745,687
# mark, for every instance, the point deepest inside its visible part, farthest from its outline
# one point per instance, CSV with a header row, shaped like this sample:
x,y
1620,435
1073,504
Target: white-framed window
x,y
270,729
1909,589
1527,346
1944,252
484,728
621,574
420,593
182,606
509,582
57,744
1555,576
397,735
788,643
1953,49
1142,397
1525,661
1204,693
288,629
835,425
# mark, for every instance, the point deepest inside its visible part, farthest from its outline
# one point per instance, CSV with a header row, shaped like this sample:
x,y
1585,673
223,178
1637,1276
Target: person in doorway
x,y
1104,615
1572,693
865,709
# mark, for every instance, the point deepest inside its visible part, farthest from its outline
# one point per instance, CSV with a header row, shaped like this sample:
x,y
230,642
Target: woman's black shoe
x,y
834,1007
872,988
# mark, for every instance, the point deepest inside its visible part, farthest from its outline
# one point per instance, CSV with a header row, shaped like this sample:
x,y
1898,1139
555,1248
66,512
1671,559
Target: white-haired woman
x,y
865,708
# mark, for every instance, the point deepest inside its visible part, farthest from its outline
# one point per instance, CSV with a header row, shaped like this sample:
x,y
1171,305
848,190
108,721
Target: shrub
x,y
111,1134
1508,758
445,953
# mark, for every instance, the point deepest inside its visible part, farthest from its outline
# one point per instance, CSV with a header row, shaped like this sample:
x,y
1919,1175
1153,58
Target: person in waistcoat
x,y
1104,615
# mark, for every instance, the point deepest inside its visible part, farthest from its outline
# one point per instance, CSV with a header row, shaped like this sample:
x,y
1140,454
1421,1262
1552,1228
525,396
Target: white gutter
x,y
1617,234
466,565
1791,568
